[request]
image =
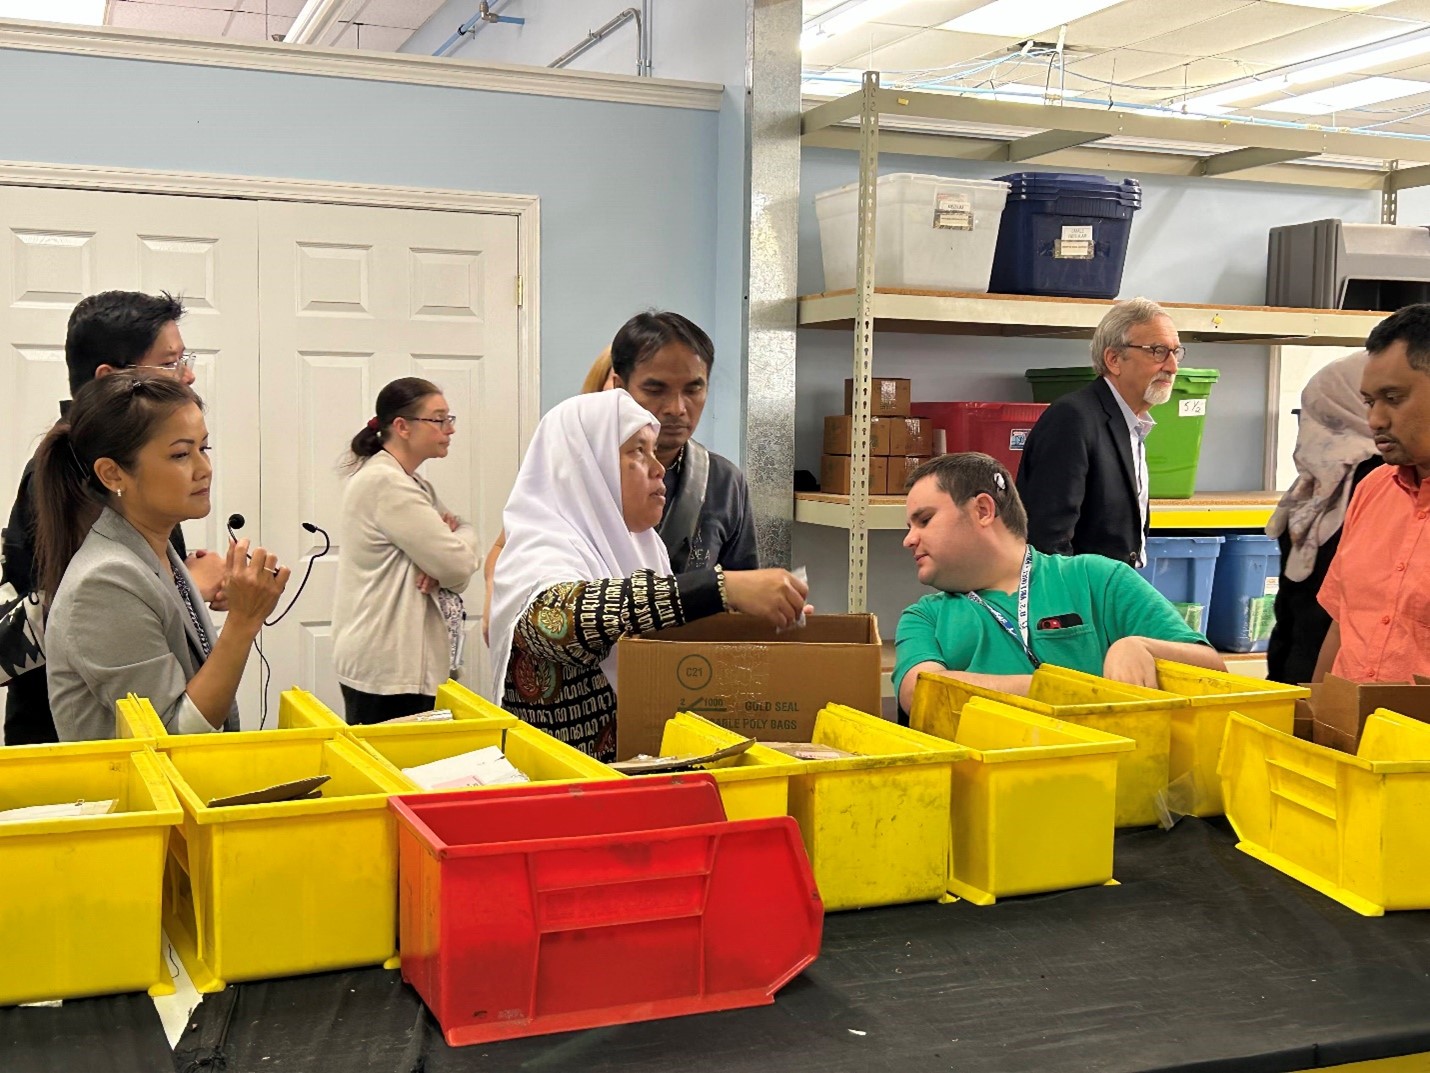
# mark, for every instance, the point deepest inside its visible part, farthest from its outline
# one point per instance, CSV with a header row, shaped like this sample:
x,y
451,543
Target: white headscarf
x,y
1332,440
563,519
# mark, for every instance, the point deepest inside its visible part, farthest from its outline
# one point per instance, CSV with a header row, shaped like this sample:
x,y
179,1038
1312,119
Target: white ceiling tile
x,y
1346,31
370,38
252,26
1123,65
852,49
406,13
167,18
1141,20
1239,29
815,8
216,5
928,13
282,8
1418,10
936,49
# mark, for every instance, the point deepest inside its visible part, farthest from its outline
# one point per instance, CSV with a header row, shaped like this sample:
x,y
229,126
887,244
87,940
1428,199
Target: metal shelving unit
x,y
942,125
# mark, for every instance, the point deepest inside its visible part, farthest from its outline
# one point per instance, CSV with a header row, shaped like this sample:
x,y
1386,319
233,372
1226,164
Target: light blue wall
x,y
1194,240
628,192
695,40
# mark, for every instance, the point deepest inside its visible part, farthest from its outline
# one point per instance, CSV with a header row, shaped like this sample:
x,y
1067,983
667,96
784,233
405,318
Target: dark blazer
x,y
1077,478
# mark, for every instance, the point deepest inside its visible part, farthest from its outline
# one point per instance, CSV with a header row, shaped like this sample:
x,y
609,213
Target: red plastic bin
x,y
996,428
535,909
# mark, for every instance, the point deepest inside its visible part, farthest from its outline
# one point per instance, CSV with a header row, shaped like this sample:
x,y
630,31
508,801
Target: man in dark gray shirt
x,y
664,361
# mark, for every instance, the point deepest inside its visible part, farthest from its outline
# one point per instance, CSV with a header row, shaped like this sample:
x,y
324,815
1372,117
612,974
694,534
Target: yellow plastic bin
x,y
258,891
1125,711
464,704
1034,804
1352,827
753,785
873,823
1197,730
80,895
538,756
297,708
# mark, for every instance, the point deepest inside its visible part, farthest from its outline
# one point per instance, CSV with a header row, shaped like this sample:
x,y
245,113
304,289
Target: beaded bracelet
x,y
720,581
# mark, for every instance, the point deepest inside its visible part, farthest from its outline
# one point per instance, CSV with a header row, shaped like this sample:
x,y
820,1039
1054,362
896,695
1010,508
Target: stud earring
x,y
119,493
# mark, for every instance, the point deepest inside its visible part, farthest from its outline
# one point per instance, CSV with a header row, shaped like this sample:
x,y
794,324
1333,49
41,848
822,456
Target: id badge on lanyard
x,y
1019,633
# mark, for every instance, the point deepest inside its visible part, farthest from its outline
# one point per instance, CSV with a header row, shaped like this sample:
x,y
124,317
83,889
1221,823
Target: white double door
x,y
300,313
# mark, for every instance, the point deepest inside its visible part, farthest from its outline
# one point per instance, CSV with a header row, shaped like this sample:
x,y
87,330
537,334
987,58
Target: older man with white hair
x,y
1084,470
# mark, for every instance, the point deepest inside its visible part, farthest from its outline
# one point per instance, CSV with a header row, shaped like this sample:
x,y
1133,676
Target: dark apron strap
x,y
682,520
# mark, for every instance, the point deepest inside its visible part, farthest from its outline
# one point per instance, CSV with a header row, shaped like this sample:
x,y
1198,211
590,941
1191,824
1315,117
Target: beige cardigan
x,y
387,636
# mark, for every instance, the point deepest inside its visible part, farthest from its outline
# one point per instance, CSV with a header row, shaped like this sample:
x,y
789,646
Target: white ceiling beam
x,y
1048,141
314,21
1244,159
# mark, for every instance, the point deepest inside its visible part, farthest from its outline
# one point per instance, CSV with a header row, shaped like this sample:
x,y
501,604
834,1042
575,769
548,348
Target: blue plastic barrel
x,y
1181,569
1243,594
1064,235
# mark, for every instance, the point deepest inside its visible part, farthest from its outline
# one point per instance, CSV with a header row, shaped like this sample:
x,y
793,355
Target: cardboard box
x,y
900,467
909,435
839,435
1339,708
737,671
1303,720
888,397
834,474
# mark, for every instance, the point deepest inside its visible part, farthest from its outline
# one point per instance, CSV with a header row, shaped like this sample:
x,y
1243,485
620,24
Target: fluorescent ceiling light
x,y
843,18
1211,103
1375,57
1023,18
82,12
1351,95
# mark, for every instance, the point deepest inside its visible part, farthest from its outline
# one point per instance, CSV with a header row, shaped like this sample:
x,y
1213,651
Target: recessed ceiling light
x,y
82,12
1351,95
1022,18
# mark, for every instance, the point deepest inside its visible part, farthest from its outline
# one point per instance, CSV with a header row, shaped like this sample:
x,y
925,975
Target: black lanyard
x,y
1019,633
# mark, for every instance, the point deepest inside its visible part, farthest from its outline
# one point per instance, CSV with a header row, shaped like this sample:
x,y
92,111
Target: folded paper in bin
x,y
808,750
436,715
479,767
62,810
297,790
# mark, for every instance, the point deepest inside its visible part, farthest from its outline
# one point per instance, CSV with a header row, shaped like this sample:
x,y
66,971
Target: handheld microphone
x,y
235,521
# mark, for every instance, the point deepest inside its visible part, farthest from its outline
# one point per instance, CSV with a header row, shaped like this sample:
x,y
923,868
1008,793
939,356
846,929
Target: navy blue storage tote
x,y
1243,594
1064,235
1181,569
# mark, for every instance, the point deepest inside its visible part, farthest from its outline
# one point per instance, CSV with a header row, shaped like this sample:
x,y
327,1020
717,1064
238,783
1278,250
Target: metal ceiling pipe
x,y
314,21
643,66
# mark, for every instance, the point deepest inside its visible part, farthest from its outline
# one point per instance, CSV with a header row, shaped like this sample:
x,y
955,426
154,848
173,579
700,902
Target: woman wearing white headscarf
x,y
583,566
1334,450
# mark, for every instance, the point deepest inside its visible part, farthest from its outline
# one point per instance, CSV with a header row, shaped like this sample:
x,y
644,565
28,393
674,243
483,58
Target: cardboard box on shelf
x,y
900,468
910,436
839,435
888,397
738,671
1339,708
834,475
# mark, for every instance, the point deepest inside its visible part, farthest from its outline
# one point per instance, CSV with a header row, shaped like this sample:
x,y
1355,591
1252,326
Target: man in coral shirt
x,y
1378,588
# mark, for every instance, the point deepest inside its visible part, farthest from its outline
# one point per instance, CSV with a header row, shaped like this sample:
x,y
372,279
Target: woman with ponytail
x,y
398,621
126,465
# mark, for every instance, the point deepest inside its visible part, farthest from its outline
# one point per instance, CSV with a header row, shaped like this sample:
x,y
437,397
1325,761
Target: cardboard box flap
x,y
1340,707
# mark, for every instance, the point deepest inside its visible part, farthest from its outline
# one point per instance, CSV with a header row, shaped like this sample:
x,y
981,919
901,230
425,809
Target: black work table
x,y
1203,959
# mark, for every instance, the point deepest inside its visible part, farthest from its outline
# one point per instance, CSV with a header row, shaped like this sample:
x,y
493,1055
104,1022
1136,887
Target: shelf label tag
x,y
1018,438
1192,408
952,211
1075,245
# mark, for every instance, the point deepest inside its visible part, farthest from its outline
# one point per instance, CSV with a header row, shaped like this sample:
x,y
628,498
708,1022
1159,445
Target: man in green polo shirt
x,y
1003,607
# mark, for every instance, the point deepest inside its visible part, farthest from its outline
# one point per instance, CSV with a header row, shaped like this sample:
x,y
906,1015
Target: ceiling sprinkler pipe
x,y
315,20
601,32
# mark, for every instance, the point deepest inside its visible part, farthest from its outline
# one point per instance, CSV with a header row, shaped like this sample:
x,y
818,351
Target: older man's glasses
x,y
180,365
1158,351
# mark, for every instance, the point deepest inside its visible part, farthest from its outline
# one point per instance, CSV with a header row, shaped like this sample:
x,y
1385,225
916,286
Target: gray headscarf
x,y
1333,439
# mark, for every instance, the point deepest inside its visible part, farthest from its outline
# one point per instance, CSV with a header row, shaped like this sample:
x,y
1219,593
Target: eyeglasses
x,y
448,422
1158,351
181,365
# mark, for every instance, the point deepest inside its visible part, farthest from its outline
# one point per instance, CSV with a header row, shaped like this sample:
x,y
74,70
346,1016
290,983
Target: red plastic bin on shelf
x,y
532,909
996,428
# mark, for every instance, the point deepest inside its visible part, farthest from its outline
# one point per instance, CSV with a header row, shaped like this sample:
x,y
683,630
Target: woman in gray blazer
x,y
112,479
